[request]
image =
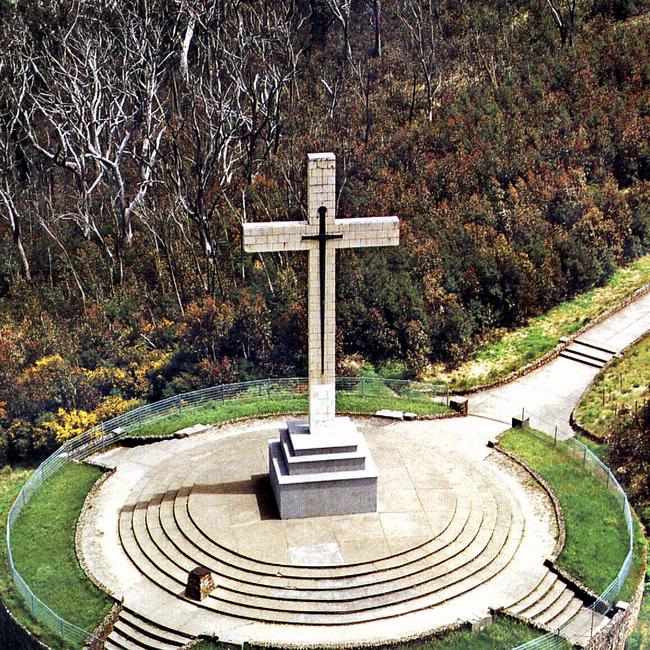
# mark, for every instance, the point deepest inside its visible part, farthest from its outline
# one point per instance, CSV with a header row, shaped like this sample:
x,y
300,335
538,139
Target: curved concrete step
x,y
560,603
187,521
153,629
132,632
544,603
195,555
347,575
170,577
547,581
563,617
323,598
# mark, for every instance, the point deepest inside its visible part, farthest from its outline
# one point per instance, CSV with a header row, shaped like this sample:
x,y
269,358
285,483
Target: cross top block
x,y
321,187
322,234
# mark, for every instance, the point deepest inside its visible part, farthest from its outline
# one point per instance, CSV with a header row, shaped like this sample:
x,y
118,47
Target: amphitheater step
x,y
571,610
556,608
182,559
155,630
112,645
535,595
554,604
132,632
472,571
539,608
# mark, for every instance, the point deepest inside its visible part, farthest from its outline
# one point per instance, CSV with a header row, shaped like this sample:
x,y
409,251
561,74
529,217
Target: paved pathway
x,y
550,393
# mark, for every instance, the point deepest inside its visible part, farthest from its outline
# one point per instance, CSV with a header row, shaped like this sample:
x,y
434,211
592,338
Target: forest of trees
x,y
510,137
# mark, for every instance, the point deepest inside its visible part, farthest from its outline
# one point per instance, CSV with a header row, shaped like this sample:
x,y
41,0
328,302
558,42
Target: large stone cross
x,y
321,235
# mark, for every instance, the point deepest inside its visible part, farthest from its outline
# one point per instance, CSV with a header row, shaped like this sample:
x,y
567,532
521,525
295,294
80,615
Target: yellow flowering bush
x,y
68,424
112,406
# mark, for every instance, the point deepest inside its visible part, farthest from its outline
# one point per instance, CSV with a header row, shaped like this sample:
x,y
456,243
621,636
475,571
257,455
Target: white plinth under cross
x,y
322,234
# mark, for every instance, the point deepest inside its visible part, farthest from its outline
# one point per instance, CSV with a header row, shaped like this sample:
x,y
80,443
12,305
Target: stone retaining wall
x,y
81,521
557,508
101,632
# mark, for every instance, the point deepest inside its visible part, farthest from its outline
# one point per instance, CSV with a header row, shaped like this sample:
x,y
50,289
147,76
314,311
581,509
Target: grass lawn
x,y
623,383
11,480
596,535
503,634
346,402
514,349
44,549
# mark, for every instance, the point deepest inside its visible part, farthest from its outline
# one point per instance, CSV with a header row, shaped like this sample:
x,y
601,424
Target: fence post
x,y
584,458
447,394
268,389
555,437
363,386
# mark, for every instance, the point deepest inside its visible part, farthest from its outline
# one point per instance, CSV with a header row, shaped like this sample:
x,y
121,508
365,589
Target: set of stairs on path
x,y
588,353
554,605
160,534
133,632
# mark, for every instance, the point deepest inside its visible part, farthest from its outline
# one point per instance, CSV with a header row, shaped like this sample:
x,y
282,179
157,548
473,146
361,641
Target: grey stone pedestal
x,y
330,472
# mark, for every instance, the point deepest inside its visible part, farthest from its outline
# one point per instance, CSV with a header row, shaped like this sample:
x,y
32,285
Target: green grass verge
x,y
346,402
11,480
503,634
624,383
516,348
596,534
43,544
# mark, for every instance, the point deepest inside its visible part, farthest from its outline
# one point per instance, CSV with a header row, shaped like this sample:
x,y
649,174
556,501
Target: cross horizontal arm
x,y
278,236
367,231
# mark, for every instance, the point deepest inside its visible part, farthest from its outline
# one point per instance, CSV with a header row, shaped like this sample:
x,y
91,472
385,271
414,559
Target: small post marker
x,y
199,583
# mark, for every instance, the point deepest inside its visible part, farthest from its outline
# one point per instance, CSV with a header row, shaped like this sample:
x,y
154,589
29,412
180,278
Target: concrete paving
x,y
441,487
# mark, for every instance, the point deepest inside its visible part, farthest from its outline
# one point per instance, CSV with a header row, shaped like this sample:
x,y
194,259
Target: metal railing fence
x,y
607,599
112,431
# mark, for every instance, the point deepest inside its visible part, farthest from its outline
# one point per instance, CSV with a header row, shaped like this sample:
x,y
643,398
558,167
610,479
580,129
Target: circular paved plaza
x,y
459,529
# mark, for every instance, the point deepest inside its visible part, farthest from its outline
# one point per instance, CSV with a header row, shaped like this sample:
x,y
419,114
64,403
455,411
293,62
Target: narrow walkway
x,y
550,393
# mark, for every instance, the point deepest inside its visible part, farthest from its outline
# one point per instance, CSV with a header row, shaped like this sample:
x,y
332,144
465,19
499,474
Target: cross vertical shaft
x,y
321,193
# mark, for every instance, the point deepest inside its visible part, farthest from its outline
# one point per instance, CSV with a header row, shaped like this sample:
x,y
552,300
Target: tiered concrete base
x,y
330,472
